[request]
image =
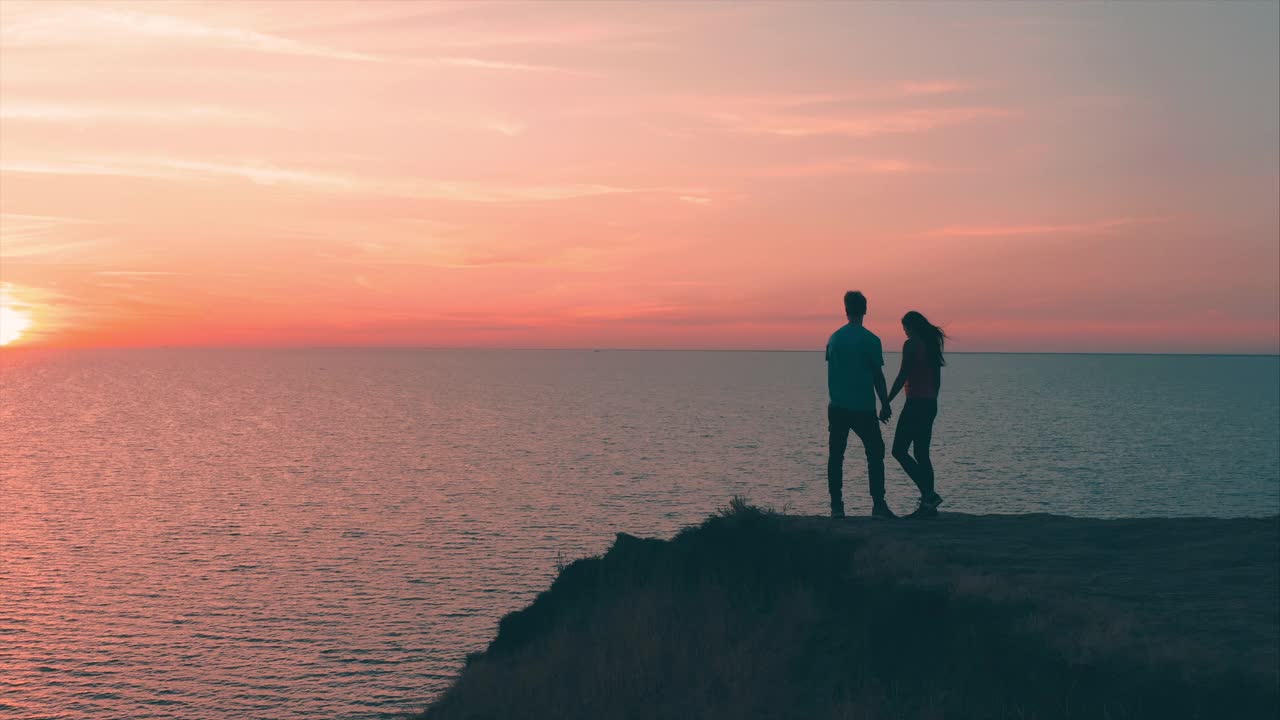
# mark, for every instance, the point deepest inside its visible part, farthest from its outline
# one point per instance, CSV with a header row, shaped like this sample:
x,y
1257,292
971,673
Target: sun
x,y
12,324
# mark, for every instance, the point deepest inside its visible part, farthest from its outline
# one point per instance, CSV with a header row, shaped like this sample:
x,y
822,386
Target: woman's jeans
x,y
915,427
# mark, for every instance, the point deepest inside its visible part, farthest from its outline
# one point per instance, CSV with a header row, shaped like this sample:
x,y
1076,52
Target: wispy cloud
x,y
495,193
139,273
477,25
16,296
1013,230
846,166
319,181
63,25
860,125
17,225
643,311
180,169
554,33
936,87
871,105
40,236
74,113
13,250
489,123
482,64
88,26
503,127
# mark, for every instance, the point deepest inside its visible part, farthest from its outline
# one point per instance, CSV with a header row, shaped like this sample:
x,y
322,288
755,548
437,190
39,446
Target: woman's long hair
x,y
931,335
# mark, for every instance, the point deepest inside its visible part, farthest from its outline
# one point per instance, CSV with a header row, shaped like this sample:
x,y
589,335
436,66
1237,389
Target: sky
x,y
1056,177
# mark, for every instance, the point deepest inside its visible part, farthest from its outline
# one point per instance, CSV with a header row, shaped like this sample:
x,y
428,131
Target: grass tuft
x,y
740,507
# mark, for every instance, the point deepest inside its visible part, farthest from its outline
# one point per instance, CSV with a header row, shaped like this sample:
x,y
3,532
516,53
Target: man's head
x,y
855,304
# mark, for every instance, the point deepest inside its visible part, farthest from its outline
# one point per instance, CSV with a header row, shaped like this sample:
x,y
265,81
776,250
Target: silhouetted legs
x,y
915,427
867,428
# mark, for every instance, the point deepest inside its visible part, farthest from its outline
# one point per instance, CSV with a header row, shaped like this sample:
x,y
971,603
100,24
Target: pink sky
x,y
1050,177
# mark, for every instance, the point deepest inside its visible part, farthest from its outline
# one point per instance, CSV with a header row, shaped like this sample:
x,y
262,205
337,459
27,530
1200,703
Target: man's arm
x,y
886,412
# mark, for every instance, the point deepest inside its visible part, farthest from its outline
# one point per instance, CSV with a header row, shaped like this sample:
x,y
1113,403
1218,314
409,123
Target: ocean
x,y
328,532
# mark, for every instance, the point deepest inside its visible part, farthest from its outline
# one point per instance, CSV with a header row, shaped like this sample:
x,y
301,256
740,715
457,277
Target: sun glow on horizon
x,y
13,323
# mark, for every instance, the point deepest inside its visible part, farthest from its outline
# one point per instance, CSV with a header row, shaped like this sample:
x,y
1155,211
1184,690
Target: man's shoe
x,y
881,510
933,501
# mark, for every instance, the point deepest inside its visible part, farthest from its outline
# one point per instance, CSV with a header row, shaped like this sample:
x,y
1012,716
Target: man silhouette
x,y
855,376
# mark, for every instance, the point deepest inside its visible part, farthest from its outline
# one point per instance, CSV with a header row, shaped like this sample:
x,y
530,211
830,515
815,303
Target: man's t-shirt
x,y
853,356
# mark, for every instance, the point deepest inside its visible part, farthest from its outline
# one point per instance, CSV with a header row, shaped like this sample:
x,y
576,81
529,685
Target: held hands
x,y
886,412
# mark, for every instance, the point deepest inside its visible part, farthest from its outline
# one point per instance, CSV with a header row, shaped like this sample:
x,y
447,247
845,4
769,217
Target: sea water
x,y
327,533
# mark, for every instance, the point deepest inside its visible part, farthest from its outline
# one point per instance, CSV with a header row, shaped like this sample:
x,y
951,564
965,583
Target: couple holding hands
x,y
855,378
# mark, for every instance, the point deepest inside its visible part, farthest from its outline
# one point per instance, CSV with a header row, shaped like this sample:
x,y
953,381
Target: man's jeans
x,y
864,423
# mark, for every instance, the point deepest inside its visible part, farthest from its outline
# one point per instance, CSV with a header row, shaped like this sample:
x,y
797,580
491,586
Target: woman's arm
x,y
898,382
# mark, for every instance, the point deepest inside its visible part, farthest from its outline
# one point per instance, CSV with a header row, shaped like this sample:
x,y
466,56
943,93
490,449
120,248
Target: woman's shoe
x,y
926,510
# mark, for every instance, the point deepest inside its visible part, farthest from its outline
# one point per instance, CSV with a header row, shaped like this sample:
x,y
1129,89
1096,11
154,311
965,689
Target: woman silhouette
x,y
921,373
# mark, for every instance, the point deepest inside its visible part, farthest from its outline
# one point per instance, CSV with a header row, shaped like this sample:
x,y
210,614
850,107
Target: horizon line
x,y
457,348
